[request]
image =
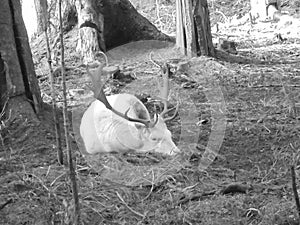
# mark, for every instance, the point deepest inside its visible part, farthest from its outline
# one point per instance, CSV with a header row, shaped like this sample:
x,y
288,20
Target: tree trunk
x,y
193,36
3,85
41,12
91,23
47,13
180,29
70,18
186,35
20,82
203,30
111,23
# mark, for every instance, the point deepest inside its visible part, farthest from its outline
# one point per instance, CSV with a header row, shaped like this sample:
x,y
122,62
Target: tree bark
x,y
3,85
180,30
41,12
186,37
193,36
91,23
21,84
203,29
70,18
112,23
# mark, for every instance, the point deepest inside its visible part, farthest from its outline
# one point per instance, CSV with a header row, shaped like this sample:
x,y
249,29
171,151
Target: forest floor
x,y
242,110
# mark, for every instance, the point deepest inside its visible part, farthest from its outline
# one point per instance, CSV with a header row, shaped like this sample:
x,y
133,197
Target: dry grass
x,y
261,141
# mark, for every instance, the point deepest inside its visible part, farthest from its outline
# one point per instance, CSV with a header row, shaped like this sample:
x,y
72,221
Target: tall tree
x,y
193,31
19,85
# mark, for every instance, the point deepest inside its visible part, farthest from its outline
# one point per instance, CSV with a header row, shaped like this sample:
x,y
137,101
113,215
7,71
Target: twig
x,y
40,180
53,182
195,197
6,203
48,171
152,186
3,109
128,207
2,123
66,125
294,187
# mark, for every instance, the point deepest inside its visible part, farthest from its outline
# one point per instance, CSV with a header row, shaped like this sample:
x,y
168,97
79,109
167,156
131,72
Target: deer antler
x,y
100,95
164,94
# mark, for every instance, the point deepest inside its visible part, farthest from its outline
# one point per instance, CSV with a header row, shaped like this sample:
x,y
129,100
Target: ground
x,y
254,93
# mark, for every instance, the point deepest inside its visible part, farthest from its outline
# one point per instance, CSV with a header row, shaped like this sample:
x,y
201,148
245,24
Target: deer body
x,y
104,131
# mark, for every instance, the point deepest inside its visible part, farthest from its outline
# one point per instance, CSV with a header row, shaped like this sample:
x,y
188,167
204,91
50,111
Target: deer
x,y
122,123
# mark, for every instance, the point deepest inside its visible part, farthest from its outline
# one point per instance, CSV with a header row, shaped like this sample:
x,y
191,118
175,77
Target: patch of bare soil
x,y
247,181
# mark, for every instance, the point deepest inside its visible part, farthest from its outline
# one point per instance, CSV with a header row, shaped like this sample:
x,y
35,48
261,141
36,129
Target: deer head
x,y
119,123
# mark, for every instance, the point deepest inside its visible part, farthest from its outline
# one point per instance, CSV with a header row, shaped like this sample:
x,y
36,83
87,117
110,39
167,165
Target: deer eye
x,y
155,139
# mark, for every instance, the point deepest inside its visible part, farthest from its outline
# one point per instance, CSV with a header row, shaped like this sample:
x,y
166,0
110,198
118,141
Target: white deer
x,y
121,122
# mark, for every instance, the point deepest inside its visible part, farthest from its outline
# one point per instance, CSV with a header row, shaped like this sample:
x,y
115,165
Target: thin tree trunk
x,y
44,23
295,190
54,107
72,174
180,31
